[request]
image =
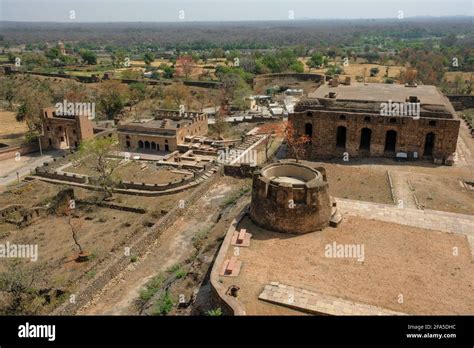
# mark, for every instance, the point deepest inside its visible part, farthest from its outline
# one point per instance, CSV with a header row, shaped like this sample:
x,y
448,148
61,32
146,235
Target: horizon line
x,y
242,20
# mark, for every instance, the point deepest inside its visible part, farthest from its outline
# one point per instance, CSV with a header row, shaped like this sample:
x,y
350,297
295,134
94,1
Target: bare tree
x,y
272,131
296,142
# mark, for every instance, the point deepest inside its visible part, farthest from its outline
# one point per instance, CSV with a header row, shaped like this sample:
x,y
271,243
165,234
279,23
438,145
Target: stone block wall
x,y
411,134
290,207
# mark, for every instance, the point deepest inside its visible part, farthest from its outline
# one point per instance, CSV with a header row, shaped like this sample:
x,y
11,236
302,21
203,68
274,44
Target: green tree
x,y
89,57
95,152
168,72
316,61
148,58
7,91
30,109
112,98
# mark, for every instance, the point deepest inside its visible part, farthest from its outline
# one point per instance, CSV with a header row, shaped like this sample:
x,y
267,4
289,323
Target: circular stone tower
x,y
292,198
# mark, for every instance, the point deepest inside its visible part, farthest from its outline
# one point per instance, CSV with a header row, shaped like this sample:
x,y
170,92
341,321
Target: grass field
x,y
10,129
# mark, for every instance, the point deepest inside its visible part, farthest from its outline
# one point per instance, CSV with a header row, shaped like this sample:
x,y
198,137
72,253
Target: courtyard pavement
x,y
25,164
429,219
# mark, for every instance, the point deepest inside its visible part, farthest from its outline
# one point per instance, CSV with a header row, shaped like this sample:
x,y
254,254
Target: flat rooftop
x,y
166,123
381,92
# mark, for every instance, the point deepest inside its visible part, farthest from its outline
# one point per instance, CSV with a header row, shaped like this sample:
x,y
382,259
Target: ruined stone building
x,y
292,198
164,132
64,131
359,119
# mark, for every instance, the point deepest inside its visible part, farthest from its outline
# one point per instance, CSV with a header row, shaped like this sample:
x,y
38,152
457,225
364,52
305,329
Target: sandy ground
x,y
358,182
10,127
100,231
416,263
133,171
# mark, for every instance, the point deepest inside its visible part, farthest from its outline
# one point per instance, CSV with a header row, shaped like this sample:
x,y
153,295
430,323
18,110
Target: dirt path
x,y
402,189
173,246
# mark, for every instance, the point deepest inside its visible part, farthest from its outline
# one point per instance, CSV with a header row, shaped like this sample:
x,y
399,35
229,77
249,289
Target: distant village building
x,y
164,132
254,101
61,48
64,131
354,120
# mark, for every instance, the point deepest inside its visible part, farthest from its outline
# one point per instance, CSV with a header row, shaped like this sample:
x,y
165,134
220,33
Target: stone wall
x,y
231,305
242,170
411,134
44,172
203,84
262,80
10,151
299,204
461,101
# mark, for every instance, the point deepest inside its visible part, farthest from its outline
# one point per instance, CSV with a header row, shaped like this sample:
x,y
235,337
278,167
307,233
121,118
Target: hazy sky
x,y
223,10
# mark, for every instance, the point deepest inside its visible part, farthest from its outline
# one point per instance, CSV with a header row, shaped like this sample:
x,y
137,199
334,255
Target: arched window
x,y
140,144
342,117
367,119
147,144
309,113
432,123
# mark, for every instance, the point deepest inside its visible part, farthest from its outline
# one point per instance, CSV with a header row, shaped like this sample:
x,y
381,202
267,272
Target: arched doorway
x,y
390,141
308,130
429,144
153,145
365,137
147,144
341,137
140,144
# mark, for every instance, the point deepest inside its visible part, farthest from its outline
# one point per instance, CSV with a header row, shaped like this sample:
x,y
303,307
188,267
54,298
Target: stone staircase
x,y
248,142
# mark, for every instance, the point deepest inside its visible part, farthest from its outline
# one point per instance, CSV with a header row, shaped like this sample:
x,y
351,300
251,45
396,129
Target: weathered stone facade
x,y
64,132
163,133
291,198
347,119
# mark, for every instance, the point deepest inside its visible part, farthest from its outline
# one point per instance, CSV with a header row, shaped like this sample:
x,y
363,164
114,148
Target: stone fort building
x,y
348,119
292,198
64,131
164,132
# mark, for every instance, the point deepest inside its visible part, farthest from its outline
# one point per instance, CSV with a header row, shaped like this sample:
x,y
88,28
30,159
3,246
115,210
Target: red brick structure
x,y
347,119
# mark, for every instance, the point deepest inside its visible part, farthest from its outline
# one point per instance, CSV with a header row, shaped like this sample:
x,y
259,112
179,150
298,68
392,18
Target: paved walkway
x,y
26,163
315,303
430,219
